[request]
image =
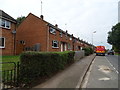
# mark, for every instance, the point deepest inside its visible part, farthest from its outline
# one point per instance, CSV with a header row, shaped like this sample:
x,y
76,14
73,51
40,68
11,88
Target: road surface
x,y
113,59
103,73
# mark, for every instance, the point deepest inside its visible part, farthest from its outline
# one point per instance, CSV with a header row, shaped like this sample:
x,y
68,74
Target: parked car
x,y
110,52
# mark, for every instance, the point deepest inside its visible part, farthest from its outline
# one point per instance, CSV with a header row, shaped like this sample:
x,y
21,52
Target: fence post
x,y
17,75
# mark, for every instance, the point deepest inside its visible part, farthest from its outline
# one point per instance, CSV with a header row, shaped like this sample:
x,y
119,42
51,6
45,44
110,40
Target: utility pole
x,y
41,7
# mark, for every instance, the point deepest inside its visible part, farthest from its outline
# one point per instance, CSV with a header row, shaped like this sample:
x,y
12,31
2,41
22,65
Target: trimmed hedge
x,y
39,64
88,51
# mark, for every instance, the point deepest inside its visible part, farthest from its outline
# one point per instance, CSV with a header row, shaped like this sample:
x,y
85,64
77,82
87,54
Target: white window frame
x,y
9,24
66,36
52,30
70,38
55,42
61,34
4,43
69,46
0,22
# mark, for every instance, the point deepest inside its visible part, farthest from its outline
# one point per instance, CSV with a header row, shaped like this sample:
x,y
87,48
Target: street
x,y
103,73
113,59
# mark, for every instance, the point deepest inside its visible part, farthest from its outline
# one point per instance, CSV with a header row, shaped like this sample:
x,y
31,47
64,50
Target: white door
x,y
61,47
65,47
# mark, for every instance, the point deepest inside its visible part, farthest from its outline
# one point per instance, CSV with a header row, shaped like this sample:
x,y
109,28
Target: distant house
x,y
36,34
7,34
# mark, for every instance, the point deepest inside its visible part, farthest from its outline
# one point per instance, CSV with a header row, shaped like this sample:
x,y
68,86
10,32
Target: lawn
x,y
8,69
7,66
117,54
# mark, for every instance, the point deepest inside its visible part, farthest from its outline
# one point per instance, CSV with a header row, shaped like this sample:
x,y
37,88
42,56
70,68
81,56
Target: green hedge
x,y
39,64
88,51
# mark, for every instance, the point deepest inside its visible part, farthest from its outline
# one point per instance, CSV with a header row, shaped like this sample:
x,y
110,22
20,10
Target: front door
x,y
61,47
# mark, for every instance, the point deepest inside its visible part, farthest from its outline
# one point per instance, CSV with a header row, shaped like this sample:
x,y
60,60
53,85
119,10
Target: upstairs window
x,y
7,24
66,36
60,34
2,42
4,23
70,38
52,30
0,22
69,46
55,44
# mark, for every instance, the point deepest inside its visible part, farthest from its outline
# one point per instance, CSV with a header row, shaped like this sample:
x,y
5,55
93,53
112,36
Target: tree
x,y
20,20
114,37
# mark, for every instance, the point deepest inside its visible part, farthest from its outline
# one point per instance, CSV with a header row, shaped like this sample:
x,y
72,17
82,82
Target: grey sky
x,y
79,17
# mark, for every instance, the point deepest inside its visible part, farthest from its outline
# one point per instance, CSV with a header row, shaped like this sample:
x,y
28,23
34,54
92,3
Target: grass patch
x,y
117,54
8,69
8,66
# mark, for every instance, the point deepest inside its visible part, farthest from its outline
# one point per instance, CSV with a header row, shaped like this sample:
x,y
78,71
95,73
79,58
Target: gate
x,y
10,75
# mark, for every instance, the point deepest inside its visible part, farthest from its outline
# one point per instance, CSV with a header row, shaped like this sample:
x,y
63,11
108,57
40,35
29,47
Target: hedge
x,y
88,51
38,64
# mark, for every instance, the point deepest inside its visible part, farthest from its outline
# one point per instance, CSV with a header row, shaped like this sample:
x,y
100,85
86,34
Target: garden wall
x,y
79,54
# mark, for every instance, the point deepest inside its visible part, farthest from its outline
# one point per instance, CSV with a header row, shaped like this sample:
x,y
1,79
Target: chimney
x,y
72,35
42,17
66,31
56,25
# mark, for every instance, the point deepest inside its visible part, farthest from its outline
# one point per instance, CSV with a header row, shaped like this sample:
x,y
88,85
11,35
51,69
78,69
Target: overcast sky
x,y
80,17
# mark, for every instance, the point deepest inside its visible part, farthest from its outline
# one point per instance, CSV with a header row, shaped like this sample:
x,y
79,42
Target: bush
x,y
88,51
39,64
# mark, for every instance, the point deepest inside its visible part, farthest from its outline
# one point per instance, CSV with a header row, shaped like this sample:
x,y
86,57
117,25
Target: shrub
x,y
39,64
88,51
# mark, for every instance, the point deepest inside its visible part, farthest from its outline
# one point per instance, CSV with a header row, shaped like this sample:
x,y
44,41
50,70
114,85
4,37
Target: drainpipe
x,y
14,40
48,38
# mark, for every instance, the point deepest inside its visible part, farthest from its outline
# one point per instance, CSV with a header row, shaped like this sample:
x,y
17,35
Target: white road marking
x,y
112,66
104,79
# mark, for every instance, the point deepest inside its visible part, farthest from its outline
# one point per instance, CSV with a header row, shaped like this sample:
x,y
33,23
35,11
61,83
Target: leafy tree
x,y
114,37
20,20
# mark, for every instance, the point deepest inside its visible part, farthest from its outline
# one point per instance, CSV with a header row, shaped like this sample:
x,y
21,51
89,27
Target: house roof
x,y
49,24
7,17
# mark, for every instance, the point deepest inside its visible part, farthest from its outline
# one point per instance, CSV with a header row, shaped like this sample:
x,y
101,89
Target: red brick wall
x,y
32,30
60,39
9,40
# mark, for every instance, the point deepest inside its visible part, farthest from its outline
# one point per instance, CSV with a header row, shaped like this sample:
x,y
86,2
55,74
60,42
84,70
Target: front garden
x,y
35,66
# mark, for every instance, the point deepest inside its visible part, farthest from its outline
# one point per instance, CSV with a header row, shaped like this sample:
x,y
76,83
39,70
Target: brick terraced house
x,y
36,34
7,34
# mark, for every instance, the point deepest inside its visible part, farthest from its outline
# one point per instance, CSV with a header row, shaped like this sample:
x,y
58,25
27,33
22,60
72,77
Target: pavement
x,y
71,77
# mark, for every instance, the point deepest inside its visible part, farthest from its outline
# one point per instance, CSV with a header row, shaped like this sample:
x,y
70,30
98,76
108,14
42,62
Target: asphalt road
x,y
113,59
102,73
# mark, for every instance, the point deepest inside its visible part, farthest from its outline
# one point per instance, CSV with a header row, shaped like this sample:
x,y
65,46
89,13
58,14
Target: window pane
x,y
1,42
52,30
0,22
54,43
7,24
3,23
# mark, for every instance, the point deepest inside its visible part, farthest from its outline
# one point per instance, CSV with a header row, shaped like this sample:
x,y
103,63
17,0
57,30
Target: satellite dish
x,y
14,32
